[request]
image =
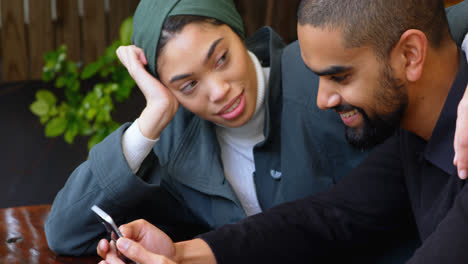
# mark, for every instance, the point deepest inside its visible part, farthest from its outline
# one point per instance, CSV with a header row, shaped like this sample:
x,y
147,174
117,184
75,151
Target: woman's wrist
x,y
152,122
194,251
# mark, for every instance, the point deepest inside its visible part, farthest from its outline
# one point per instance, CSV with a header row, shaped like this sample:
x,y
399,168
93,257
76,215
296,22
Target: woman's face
x,y
209,71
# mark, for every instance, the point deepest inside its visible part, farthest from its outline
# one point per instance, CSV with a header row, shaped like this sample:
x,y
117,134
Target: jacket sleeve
x,y
458,21
447,244
106,180
365,209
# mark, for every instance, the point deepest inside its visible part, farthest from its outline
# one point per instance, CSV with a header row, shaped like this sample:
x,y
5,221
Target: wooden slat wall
x,y
119,10
40,35
93,30
14,49
67,28
86,37
22,46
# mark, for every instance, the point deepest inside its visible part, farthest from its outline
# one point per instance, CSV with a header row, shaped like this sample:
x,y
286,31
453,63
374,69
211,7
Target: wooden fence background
x,y
29,28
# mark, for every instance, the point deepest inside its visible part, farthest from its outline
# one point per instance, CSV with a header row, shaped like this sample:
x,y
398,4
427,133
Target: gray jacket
x,y
181,187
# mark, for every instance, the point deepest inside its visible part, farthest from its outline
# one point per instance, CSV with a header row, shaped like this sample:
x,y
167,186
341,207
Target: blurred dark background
x,y
34,167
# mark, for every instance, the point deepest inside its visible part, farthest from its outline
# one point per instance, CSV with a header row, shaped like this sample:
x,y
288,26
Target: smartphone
x,y
108,222
111,228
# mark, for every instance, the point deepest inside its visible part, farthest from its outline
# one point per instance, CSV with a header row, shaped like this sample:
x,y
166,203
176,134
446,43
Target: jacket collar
x,y
439,149
268,47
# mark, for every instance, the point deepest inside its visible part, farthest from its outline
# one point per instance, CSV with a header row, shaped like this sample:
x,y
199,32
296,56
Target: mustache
x,y
345,108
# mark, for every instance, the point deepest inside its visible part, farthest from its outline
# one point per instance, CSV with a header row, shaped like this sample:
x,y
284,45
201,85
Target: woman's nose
x,y
218,89
327,97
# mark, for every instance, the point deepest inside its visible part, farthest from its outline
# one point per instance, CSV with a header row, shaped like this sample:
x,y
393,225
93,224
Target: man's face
x,y
356,84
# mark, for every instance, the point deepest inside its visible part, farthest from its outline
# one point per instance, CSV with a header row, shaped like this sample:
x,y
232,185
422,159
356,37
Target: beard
x,y
392,99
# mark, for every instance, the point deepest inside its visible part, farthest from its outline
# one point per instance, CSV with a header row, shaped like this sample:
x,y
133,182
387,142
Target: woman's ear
x,y
409,54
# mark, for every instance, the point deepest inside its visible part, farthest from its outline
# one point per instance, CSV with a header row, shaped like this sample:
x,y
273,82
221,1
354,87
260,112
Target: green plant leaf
x,y
47,75
55,127
44,119
91,113
98,90
61,81
126,29
90,70
72,131
53,111
46,96
85,128
39,108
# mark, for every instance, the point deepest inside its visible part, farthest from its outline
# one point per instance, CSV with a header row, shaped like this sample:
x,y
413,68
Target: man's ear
x,y
409,54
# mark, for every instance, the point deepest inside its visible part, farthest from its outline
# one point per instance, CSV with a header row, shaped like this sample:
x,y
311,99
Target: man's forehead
x,y
323,48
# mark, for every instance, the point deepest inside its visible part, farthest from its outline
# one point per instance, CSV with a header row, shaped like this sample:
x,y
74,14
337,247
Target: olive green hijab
x,y
150,15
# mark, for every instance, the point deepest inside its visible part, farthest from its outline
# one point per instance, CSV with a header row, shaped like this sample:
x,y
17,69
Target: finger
x,y
112,256
122,55
136,58
135,230
462,154
103,248
461,138
141,56
137,253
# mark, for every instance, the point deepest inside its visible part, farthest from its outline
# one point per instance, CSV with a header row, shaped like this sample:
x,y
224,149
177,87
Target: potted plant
x,y
81,112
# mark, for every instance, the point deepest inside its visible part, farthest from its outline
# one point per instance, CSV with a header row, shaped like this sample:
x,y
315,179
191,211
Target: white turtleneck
x,y
236,146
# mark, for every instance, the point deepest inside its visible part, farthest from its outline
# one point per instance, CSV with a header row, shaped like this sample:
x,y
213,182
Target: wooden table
x,y
23,240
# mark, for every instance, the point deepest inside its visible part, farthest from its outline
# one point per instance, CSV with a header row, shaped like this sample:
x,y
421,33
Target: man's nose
x,y
327,97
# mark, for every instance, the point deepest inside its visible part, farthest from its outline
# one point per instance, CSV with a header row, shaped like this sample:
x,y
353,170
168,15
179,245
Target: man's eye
x,y
188,88
221,61
339,78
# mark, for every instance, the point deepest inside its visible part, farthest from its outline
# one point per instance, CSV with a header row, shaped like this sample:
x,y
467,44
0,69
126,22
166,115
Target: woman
x,y
229,130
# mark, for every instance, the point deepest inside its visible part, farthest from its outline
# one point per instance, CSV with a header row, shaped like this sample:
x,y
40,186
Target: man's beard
x,y
390,95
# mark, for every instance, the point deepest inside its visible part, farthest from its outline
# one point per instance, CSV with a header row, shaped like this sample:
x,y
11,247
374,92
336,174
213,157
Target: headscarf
x,y
150,15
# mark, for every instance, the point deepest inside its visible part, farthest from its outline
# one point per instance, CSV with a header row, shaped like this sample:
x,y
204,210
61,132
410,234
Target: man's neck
x,y
427,96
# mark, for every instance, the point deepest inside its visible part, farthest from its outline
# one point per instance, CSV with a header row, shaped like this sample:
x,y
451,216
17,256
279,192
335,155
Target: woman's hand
x,y
142,242
461,138
161,104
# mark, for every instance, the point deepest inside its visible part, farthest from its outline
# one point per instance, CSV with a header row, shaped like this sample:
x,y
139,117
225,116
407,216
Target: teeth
x,y
233,106
349,114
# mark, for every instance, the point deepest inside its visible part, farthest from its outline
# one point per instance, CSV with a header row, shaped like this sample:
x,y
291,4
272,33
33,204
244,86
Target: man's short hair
x,y
377,23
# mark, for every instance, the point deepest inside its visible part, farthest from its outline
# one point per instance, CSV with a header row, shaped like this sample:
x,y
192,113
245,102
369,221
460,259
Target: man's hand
x,y
134,251
140,235
461,138
145,244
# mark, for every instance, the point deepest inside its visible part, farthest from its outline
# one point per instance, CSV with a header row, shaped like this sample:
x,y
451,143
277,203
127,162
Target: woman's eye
x,y
339,78
188,88
221,61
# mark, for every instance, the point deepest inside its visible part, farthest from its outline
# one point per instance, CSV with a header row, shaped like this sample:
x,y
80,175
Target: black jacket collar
x,y
439,149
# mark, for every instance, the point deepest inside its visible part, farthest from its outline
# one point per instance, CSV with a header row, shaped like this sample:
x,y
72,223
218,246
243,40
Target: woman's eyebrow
x,y
212,49
180,77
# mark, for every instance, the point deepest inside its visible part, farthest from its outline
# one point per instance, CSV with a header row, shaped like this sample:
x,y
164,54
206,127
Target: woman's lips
x,y
234,109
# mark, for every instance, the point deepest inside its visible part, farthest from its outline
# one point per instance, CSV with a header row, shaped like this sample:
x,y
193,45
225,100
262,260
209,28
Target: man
x,y
382,65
